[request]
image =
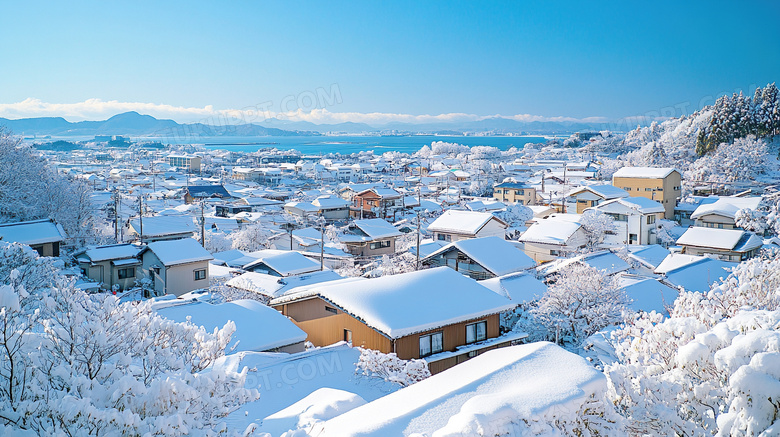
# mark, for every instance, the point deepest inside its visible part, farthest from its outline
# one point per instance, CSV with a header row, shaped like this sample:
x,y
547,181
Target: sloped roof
x,y
726,206
286,263
494,254
376,228
157,226
723,239
181,251
404,304
521,287
32,232
605,191
644,172
112,252
462,222
642,205
208,191
550,231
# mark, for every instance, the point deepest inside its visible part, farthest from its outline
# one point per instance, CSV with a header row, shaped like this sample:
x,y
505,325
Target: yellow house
x,y
513,192
660,184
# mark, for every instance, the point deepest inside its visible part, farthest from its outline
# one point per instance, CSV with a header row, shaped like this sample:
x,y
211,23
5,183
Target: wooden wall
x,y
454,335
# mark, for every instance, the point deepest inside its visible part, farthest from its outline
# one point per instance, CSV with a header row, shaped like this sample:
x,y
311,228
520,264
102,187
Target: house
x,y
304,239
553,237
376,202
370,237
517,391
603,260
591,195
513,192
281,263
481,258
692,272
331,208
647,293
197,193
647,257
423,314
269,287
43,236
521,288
458,225
188,163
111,265
721,213
727,244
660,184
176,266
300,209
634,219
259,328
162,227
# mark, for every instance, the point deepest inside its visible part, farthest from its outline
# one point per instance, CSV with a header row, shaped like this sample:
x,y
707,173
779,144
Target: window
x,y
618,217
519,192
648,189
126,273
627,188
632,239
476,332
650,219
331,309
200,274
441,237
431,344
348,336
380,244
498,191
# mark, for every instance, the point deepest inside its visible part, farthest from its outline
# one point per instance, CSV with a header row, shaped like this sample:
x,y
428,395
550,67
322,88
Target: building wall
x,y
453,336
524,196
442,365
715,221
177,279
540,252
669,193
364,249
725,255
324,327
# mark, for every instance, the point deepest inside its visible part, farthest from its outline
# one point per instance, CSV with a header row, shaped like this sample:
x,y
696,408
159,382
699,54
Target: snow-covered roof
x,y
604,191
404,304
495,254
723,239
550,231
462,222
32,232
642,205
330,202
520,287
505,388
726,206
603,260
303,206
181,251
376,228
650,256
286,263
280,390
274,286
698,275
644,172
258,327
647,294
157,226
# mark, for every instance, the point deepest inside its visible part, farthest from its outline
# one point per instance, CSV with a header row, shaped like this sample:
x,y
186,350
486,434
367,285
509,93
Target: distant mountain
x,y
135,124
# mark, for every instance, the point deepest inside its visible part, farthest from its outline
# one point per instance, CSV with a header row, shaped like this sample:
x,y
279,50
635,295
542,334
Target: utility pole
x,y
141,215
417,265
322,245
202,227
116,215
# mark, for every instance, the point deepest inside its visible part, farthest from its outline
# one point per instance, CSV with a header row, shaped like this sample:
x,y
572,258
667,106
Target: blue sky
x,y
385,61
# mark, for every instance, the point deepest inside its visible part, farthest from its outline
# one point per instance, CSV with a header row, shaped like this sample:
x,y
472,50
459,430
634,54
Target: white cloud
x,y
97,109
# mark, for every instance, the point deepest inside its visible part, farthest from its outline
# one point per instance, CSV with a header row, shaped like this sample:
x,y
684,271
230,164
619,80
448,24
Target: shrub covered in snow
x,y
389,367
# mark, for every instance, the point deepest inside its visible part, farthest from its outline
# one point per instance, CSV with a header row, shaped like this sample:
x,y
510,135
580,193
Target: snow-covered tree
x,y
79,364
251,237
743,160
751,220
664,233
711,367
579,302
596,225
515,214
30,189
390,368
